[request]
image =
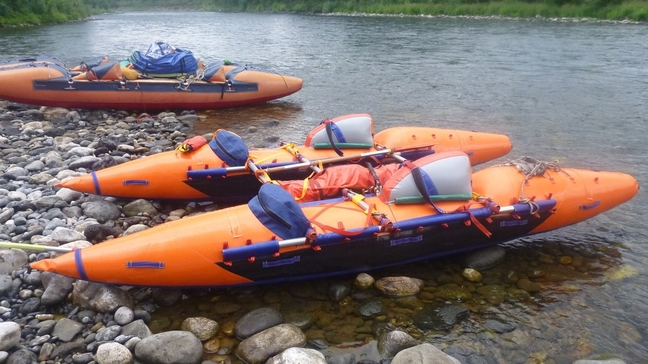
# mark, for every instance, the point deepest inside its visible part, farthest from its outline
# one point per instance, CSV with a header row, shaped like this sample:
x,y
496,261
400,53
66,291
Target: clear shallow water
x,y
573,92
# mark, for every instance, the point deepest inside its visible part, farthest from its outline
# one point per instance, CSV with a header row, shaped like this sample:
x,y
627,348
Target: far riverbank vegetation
x,y
633,10
33,12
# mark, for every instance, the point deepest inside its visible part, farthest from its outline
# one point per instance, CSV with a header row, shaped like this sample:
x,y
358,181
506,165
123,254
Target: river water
x,y
576,92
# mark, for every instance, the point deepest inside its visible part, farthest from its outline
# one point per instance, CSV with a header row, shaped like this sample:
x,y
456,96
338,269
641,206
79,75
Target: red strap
x,y
479,225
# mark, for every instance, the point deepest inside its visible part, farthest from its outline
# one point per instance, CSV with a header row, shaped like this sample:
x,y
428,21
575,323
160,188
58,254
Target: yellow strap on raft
x,y
358,199
184,148
304,189
370,210
305,184
291,148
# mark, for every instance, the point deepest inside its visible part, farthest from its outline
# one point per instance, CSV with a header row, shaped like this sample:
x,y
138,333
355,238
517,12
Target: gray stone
x,y
259,347
22,356
256,321
169,348
399,286
338,291
65,349
5,283
298,356
64,235
423,354
371,308
390,343
82,358
57,288
137,328
101,211
35,166
81,151
139,206
439,318
124,315
29,305
99,297
15,172
9,335
108,333
364,281
66,329
54,113
202,327
68,195
40,178
135,228
84,162
12,260
6,214
113,353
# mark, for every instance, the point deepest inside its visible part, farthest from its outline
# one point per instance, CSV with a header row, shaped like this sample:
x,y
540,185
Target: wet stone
x,y
439,318
202,327
371,308
256,321
337,292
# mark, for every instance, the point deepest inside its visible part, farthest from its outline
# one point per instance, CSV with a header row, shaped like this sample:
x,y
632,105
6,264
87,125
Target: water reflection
x,y
240,119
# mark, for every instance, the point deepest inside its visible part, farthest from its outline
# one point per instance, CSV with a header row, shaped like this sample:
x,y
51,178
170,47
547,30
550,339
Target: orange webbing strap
x,y
324,227
479,225
466,208
259,173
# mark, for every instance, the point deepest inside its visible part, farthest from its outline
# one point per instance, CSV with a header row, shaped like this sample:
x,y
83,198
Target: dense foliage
x,y
599,9
18,12
52,11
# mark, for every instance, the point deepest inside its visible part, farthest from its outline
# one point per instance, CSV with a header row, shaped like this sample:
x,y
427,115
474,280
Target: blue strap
x,y
425,186
330,129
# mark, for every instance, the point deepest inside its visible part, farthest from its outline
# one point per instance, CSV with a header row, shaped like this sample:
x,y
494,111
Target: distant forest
x,y
29,12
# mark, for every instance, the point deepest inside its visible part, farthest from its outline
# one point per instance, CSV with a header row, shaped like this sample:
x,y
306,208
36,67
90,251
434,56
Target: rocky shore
x,y
47,318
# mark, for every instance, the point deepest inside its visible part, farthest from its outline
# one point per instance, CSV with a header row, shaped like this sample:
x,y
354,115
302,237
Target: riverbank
x,y
625,12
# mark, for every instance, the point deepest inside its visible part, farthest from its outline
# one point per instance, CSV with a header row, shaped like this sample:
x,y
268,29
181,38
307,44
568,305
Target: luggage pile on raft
x,y
373,200
164,77
160,60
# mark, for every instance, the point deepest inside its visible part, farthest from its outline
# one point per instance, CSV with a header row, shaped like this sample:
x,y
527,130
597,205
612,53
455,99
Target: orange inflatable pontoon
x,y
46,81
429,208
220,170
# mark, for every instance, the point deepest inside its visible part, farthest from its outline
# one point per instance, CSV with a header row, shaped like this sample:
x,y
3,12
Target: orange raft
x,y
46,81
209,172
275,239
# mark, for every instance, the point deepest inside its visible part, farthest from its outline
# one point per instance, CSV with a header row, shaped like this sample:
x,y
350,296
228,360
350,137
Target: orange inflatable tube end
x,y
86,183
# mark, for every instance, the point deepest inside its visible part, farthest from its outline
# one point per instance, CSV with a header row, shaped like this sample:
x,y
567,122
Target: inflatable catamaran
x,y
225,169
109,85
431,207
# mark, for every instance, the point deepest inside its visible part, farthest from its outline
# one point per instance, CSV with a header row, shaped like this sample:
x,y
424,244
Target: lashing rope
x,y
531,167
